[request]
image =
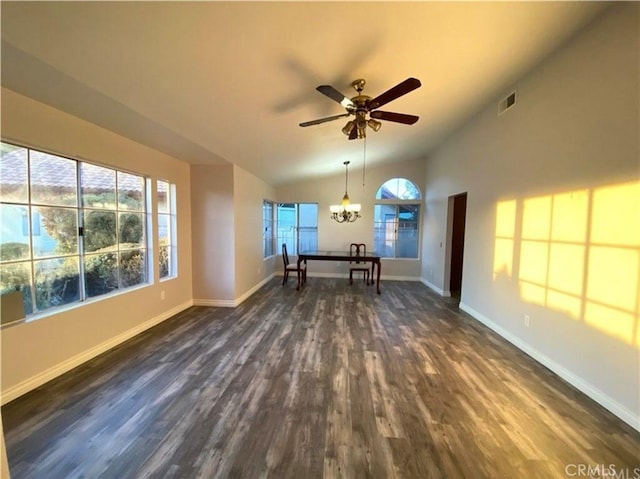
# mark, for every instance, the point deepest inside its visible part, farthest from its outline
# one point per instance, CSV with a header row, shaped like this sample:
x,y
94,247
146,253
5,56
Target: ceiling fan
x,y
361,105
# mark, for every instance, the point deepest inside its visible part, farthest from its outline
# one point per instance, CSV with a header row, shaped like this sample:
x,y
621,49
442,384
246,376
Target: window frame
x,y
398,203
294,243
268,228
119,249
171,216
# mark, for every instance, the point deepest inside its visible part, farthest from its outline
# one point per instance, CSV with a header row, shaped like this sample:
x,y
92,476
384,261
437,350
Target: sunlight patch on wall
x,y
612,291
505,231
536,218
534,260
576,252
570,216
616,215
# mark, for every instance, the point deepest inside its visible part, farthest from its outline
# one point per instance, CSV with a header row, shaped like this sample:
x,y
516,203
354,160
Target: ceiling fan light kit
x,y
362,105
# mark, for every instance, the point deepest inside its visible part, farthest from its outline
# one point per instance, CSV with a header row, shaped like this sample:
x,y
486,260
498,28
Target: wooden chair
x,y
355,250
292,267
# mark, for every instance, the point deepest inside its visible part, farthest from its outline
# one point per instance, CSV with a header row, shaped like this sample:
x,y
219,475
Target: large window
x,y
298,226
70,230
167,238
397,219
268,238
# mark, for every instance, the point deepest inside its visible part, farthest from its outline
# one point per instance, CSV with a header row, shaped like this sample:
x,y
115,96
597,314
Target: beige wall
x,y
567,159
40,349
213,235
251,268
337,236
227,234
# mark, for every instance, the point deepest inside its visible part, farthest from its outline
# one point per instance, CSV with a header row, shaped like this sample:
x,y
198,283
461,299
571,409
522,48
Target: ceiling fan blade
x,y
397,117
323,120
400,89
335,95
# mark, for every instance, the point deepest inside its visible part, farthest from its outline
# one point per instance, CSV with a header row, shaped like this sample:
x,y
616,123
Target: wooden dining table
x,y
316,255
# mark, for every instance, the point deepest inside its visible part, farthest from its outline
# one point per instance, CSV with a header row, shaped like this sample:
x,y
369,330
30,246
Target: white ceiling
x,y
211,82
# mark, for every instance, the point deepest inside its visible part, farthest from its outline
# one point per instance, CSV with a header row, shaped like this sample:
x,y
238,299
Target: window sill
x,y
69,307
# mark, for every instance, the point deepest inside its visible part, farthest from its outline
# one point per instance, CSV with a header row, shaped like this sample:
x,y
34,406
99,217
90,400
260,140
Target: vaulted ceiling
x,y
216,82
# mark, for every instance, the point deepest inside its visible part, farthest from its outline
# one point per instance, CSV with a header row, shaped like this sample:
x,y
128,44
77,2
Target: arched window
x,y
396,224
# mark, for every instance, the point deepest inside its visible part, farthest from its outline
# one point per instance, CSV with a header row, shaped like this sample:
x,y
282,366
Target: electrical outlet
x,y
527,320
162,295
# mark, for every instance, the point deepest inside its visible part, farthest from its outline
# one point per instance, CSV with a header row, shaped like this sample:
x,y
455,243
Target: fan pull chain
x,y
364,159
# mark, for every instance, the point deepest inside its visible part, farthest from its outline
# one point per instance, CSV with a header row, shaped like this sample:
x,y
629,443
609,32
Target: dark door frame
x,y
454,255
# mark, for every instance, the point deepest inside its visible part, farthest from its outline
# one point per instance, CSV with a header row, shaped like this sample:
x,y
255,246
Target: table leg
x,y
373,272
378,276
298,287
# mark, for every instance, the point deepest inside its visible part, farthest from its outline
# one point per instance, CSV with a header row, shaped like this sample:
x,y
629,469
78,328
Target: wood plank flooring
x,y
333,381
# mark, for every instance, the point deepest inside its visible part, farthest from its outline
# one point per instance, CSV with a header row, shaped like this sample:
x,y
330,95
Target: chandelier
x,y
345,212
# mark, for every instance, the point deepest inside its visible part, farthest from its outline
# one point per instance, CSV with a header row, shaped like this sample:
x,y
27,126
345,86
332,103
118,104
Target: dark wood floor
x,y
332,381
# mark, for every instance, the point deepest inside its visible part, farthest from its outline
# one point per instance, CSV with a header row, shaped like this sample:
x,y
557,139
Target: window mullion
x,y
80,216
396,232
296,228
32,267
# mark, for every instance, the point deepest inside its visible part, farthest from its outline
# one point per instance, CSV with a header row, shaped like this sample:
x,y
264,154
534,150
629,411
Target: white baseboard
x,y
232,303
630,417
441,292
241,299
39,379
217,303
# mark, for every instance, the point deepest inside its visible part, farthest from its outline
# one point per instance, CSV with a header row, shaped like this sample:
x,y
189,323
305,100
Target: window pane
x,y
131,230
17,277
408,231
53,180
101,273
98,186
267,229
13,174
99,230
130,192
384,230
308,239
308,226
132,268
398,188
164,233
163,197
287,221
408,213
308,213
166,224
58,231
15,233
164,261
57,282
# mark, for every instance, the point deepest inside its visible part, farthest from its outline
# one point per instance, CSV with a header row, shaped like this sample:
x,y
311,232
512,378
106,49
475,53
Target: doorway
x,y
457,244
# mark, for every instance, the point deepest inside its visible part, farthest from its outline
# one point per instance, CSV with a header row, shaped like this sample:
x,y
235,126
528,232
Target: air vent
x,y
507,103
